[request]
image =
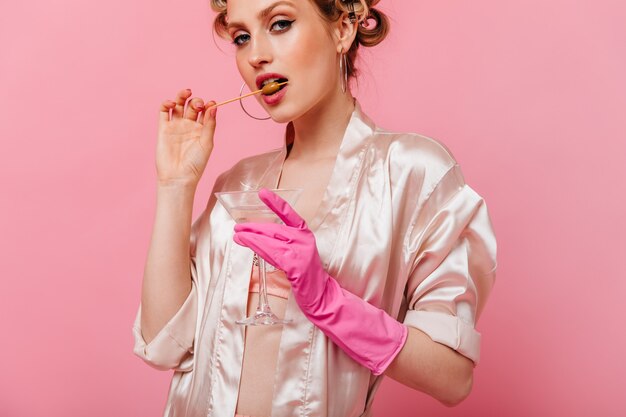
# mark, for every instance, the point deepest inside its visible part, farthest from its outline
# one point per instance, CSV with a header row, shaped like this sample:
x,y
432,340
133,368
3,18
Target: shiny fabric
x,y
397,226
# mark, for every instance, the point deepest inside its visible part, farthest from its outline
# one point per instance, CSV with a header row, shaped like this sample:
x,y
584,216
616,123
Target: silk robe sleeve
x,y
172,346
454,264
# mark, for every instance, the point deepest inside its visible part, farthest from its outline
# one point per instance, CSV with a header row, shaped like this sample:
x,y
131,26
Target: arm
x,y
164,328
167,277
433,368
173,247
452,274
165,324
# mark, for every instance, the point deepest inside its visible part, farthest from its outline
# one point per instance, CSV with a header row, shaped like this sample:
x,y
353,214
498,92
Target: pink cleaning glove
x,y
366,333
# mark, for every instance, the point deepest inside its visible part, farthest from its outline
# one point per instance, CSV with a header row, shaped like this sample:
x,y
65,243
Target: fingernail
x,y
213,112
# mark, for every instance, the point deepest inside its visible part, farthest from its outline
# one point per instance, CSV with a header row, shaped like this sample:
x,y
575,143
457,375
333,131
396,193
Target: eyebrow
x,y
262,14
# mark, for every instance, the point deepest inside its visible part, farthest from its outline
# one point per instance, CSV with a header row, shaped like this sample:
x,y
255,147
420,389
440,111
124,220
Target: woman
x,y
384,264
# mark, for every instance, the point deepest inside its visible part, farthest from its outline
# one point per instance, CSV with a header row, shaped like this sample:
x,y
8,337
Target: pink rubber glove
x,y
366,333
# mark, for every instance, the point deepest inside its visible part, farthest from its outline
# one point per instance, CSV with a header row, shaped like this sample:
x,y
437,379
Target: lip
x,y
276,97
263,77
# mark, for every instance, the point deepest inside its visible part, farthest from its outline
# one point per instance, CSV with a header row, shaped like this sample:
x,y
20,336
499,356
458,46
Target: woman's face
x,y
286,39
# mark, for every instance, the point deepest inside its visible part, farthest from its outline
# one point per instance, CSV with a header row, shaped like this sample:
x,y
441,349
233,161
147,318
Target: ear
x,y
345,32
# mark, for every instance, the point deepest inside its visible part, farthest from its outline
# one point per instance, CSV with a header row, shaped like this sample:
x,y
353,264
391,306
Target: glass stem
x,y
263,302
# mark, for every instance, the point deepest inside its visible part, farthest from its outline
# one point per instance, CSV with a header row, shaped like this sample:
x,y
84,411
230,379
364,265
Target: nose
x,y
260,52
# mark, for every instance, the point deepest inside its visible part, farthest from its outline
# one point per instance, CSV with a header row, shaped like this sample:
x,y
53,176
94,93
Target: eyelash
x,y
288,22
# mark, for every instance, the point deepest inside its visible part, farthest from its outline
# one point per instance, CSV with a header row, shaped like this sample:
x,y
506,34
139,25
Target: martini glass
x,y
246,206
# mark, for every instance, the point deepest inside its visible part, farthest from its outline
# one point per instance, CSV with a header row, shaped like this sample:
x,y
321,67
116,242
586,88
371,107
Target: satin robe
x,y
397,226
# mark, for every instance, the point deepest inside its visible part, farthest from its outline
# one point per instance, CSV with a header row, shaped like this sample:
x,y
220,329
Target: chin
x,y
288,110
279,117
282,113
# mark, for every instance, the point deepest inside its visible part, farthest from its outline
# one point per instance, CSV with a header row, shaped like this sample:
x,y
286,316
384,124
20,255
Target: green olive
x,y
270,88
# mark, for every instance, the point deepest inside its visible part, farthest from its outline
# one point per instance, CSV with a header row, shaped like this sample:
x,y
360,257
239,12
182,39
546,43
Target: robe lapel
x,y
294,394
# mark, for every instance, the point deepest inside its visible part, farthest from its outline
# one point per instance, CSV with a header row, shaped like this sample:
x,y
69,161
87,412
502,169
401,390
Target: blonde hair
x,y
331,10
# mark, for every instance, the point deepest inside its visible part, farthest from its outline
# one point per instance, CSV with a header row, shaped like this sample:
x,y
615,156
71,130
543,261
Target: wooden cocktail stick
x,y
267,89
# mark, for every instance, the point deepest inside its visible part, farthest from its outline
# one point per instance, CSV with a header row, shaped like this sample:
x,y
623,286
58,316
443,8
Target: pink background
x,y
529,95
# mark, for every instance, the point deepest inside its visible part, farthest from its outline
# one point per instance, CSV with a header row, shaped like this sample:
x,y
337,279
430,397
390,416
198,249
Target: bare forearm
x,y
432,368
167,277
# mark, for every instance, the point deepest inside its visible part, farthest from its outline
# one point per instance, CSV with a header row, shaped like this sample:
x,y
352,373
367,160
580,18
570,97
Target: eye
x,y
285,24
278,26
239,40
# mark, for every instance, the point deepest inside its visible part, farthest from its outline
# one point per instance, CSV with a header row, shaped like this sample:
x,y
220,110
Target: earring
x,y
244,109
343,71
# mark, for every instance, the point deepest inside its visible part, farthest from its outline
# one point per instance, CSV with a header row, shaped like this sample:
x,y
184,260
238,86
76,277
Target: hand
x,y
185,141
290,247
339,313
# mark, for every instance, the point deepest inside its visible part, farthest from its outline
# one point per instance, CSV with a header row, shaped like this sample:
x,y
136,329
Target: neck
x,y
318,133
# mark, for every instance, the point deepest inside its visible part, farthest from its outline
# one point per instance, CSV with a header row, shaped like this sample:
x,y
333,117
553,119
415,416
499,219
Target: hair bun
x,y
373,29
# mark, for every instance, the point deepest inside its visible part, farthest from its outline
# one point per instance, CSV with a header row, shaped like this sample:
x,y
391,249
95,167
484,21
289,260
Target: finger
x,y
279,206
272,230
164,112
265,244
207,115
208,128
180,100
267,248
194,107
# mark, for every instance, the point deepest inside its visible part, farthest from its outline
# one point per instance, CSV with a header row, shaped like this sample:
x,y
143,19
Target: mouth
x,y
262,80
280,87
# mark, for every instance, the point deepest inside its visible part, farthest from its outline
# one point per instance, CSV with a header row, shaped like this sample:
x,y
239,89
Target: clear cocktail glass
x,y
246,206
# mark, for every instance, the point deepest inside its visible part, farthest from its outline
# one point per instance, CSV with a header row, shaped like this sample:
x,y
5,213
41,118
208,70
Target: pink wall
x,y
529,95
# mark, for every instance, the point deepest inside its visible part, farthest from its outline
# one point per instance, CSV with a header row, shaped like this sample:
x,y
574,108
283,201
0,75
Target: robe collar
x,y
359,128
